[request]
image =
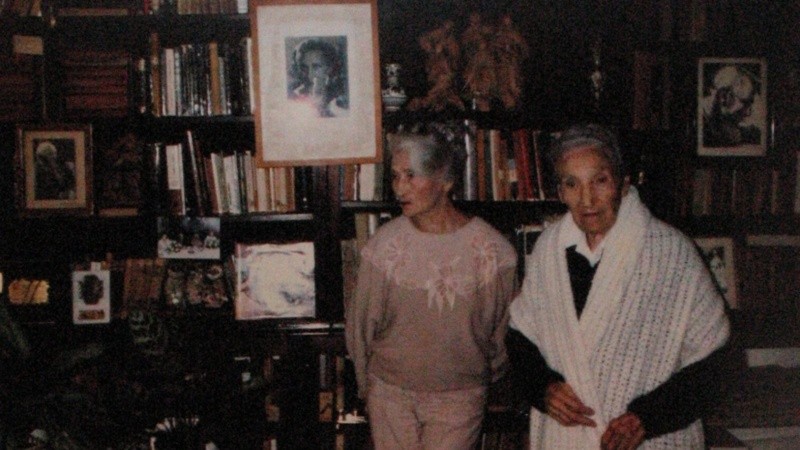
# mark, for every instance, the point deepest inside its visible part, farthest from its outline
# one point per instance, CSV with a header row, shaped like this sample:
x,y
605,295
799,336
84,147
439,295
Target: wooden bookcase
x,y
661,147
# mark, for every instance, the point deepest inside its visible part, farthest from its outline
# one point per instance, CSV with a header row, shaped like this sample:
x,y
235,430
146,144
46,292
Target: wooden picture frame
x,y
53,165
327,115
732,107
718,255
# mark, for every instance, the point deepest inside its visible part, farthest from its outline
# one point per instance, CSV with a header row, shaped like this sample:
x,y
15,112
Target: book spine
x,y
175,180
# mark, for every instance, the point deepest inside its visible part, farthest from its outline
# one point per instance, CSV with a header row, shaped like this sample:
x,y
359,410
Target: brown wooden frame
x,y
709,70
288,133
74,140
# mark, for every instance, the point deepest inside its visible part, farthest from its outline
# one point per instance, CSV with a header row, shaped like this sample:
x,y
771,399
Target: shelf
x,y
184,121
267,217
195,22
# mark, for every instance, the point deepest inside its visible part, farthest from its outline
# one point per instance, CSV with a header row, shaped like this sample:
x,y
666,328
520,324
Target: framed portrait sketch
x,y
317,81
732,107
718,254
53,165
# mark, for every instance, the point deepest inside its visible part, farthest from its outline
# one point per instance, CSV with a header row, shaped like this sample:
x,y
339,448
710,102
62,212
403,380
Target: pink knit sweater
x,y
430,310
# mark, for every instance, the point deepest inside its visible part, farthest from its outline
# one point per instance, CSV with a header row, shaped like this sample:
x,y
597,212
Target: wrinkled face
x,y
589,189
419,195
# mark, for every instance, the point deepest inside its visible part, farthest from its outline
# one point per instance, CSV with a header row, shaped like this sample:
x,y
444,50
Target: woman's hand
x,y
564,406
623,433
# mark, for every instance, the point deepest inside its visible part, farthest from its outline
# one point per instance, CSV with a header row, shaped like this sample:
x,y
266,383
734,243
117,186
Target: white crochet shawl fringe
x,y
638,326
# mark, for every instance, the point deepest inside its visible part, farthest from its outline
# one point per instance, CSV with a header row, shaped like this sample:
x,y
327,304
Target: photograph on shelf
x,y
53,165
188,237
718,254
316,72
732,107
275,281
91,296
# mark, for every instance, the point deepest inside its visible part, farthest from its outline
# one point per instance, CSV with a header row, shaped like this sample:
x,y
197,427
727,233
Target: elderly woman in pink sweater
x,y
425,328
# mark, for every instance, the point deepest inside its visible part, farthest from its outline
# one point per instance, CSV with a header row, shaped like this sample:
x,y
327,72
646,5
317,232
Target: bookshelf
x,y
661,148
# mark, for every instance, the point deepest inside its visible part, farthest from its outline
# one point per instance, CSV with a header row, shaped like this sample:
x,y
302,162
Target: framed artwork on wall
x,y
317,81
275,281
53,165
732,107
91,296
718,254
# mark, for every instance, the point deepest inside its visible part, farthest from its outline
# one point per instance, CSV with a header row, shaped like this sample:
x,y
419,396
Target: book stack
x,y
95,82
509,165
189,180
207,7
206,79
96,8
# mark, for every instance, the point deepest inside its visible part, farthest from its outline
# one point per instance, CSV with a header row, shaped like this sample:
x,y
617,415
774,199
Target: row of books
x,y
742,191
17,87
138,7
205,79
507,165
95,82
191,182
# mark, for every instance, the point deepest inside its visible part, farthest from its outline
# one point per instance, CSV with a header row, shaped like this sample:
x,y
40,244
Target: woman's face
x,y
589,189
419,195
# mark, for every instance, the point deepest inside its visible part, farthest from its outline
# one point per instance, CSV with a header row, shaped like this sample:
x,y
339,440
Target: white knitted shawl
x,y
652,310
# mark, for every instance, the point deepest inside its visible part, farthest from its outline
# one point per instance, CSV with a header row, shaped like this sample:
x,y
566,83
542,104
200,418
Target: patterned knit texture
x,y
430,310
664,315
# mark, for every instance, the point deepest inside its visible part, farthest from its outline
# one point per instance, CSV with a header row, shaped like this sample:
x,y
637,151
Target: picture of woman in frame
x,y
54,176
317,74
733,104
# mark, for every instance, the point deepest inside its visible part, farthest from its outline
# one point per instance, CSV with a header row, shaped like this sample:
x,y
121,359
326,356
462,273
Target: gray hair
x,y
430,154
590,135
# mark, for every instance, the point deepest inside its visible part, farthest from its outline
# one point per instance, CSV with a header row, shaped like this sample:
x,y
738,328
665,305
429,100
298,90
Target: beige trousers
x,y
401,419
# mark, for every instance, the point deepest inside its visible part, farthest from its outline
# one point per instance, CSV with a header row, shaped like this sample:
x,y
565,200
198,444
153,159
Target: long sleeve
x,y
362,320
531,375
685,397
504,291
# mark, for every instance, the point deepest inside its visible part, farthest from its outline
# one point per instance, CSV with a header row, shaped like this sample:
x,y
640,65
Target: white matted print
x,y
732,107
317,78
275,281
91,296
718,254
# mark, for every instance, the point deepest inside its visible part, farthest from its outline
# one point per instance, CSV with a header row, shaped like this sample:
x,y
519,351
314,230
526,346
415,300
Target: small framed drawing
x,y
275,281
718,254
732,107
317,80
53,166
91,296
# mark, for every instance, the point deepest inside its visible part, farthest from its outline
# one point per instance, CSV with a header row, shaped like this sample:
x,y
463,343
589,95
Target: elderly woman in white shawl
x,y
619,334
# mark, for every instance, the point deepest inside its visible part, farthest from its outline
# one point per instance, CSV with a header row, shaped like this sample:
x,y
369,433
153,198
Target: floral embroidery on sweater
x,y
397,257
442,280
486,254
445,284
